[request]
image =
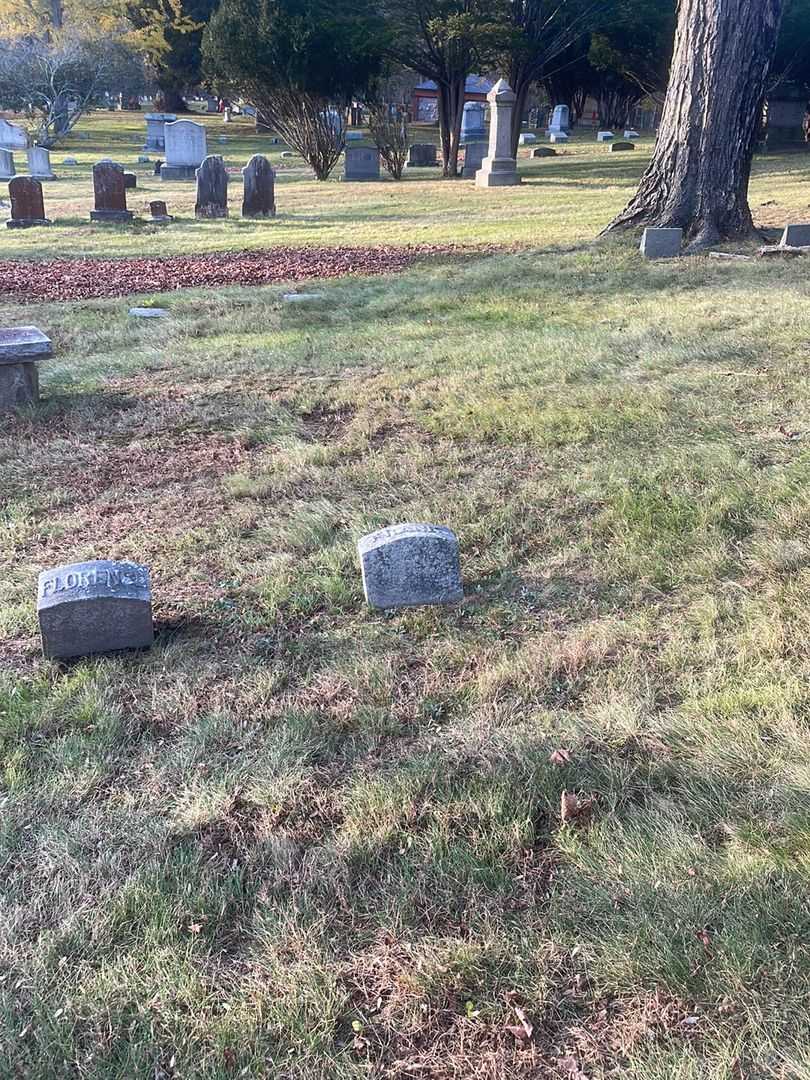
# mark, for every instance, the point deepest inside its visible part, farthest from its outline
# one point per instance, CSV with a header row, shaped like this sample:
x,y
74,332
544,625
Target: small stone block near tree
x,y
661,243
21,347
212,189
259,198
27,203
411,565
94,607
619,147
795,236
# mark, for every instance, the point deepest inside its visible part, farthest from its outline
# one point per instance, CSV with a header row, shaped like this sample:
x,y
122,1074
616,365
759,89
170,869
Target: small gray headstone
x,y
361,163
20,349
795,236
661,243
617,147
143,159
558,137
422,156
94,607
604,136
287,154
7,169
148,313
410,565
130,180
212,189
630,134
527,138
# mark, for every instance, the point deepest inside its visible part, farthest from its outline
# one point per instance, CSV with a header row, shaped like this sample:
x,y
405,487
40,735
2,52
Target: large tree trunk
x,y
521,87
451,113
698,176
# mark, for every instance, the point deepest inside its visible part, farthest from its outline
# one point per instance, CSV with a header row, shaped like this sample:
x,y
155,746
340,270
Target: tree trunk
x,y
698,176
521,87
451,112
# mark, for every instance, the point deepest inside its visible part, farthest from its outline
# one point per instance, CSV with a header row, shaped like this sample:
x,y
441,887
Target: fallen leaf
x,y
560,757
575,808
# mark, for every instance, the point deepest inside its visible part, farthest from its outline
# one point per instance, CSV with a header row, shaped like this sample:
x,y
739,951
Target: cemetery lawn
x,y
560,830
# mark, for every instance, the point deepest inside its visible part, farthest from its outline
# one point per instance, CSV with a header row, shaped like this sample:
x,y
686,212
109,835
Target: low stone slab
x,y
23,343
795,236
411,565
302,298
558,137
149,313
617,147
543,151
604,136
422,156
526,139
661,243
20,349
94,607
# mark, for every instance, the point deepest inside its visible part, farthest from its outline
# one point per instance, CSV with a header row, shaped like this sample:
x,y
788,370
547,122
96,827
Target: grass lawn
x,y
303,840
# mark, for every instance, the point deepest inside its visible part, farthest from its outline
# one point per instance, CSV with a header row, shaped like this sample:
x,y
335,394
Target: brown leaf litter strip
x,y
85,279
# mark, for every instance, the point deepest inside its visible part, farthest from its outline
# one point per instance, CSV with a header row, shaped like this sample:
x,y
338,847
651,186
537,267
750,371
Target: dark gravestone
x,y
422,156
130,181
110,193
212,188
20,349
158,167
94,607
160,215
27,205
361,163
543,151
260,188
618,147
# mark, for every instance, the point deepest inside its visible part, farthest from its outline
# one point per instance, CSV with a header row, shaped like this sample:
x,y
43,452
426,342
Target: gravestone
x,y
558,137
157,168
630,135
795,236
473,121
130,180
544,151
499,168
27,205
94,607
618,147
422,156
186,149
155,139
526,139
259,199
410,565
661,243
604,136
361,163
212,189
160,215
70,161
109,193
474,154
21,347
560,119
144,159
12,137
149,313
354,136
39,163
7,169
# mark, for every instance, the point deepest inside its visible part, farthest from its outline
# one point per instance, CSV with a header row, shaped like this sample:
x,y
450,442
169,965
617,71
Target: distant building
x,y
425,97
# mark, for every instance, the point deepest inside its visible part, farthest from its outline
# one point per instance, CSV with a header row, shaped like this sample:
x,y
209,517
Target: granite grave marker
x,y
499,168
27,204
186,149
109,193
259,198
410,565
21,347
212,189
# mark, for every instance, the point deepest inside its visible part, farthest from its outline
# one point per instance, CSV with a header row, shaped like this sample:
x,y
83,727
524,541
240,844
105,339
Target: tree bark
x,y
698,176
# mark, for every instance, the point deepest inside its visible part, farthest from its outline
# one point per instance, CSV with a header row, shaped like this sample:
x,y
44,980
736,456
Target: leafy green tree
x,y
169,34
299,62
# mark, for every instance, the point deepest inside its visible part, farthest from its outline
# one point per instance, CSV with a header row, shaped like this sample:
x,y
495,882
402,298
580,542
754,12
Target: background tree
x,y
391,135
446,41
169,34
299,62
698,175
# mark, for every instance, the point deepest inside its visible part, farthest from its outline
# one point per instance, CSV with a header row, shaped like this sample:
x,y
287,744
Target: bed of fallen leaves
x,y
86,279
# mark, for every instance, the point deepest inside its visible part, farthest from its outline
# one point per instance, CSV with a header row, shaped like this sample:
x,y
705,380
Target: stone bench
x,y
21,347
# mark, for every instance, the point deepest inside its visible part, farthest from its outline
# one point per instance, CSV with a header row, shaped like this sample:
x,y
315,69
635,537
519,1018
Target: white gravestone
x,y
12,137
410,565
527,138
472,121
6,165
558,137
94,607
39,163
604,136
499,168
560,119
630,134
154,130
186,149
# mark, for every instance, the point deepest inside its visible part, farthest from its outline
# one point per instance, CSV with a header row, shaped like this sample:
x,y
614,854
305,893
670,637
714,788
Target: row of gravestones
x,y
110,199
39,163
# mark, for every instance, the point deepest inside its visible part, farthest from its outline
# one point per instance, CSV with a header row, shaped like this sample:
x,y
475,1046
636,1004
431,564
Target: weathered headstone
x,y
527,138
795,236
604,136
186,150
27,205
110,193
7,169
630,134
212,189
661,243
474,154
12,137
560,119
39,163
259,198
159,212
361,163
422,156
473,121
499,168
410,565
155,122
558,137
21,347
94,607
544,151
618,147
130,181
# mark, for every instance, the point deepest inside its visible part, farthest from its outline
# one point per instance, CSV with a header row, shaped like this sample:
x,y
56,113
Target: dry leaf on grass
x,y
560,757
576,809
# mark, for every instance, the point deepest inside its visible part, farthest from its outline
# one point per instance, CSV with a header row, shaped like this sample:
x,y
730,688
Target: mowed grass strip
x,y
301,839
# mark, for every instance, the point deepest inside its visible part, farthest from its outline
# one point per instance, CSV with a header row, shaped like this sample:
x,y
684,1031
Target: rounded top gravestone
x,y
411,565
